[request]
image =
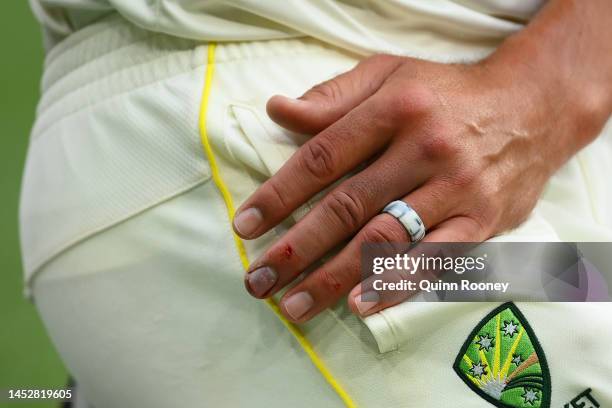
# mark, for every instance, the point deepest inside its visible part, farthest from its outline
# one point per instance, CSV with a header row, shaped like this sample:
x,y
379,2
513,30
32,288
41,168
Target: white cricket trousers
x,y
142,145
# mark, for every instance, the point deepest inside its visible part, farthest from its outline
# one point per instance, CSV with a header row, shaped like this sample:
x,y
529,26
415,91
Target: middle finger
x,y
339,215
324,286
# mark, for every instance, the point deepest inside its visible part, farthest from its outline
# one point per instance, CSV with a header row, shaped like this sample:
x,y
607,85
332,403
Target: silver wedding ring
x,y
409,218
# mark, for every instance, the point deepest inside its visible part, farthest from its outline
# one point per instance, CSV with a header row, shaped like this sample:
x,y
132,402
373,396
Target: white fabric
x,y
424,28
141,289
74,162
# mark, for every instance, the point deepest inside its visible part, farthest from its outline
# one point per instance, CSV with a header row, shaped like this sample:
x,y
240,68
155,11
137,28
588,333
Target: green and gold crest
x,y
502,361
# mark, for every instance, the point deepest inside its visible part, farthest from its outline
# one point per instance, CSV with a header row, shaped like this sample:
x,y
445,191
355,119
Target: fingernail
x,y
246,222
366,301
298,304
261,280
297,101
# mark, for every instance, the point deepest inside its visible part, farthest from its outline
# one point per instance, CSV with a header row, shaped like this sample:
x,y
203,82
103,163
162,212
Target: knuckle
x,y
330,91
318,158
385,230
414,100
346,208
437,147
277,196
330,280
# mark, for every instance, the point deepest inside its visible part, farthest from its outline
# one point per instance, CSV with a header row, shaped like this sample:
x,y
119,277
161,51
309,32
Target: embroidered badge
x,y
502,361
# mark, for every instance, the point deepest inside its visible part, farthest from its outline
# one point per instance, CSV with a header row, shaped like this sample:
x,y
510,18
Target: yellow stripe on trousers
x,y
218,180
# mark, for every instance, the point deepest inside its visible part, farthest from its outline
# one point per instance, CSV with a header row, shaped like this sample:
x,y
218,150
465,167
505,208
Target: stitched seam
x,y
52,56
301,339
59,81
55,72
39,133
66,245
75,54
118,72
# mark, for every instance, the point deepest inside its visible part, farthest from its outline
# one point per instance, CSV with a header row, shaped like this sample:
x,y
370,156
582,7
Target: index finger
x,y
318,163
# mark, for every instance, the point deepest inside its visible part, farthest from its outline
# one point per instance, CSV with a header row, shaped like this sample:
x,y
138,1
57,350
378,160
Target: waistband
x,y
115,56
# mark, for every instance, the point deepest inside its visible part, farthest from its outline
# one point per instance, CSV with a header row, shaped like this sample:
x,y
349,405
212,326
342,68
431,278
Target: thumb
x,y
327,102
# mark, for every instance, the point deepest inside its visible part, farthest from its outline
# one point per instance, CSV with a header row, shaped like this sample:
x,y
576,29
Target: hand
x,y
469,147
